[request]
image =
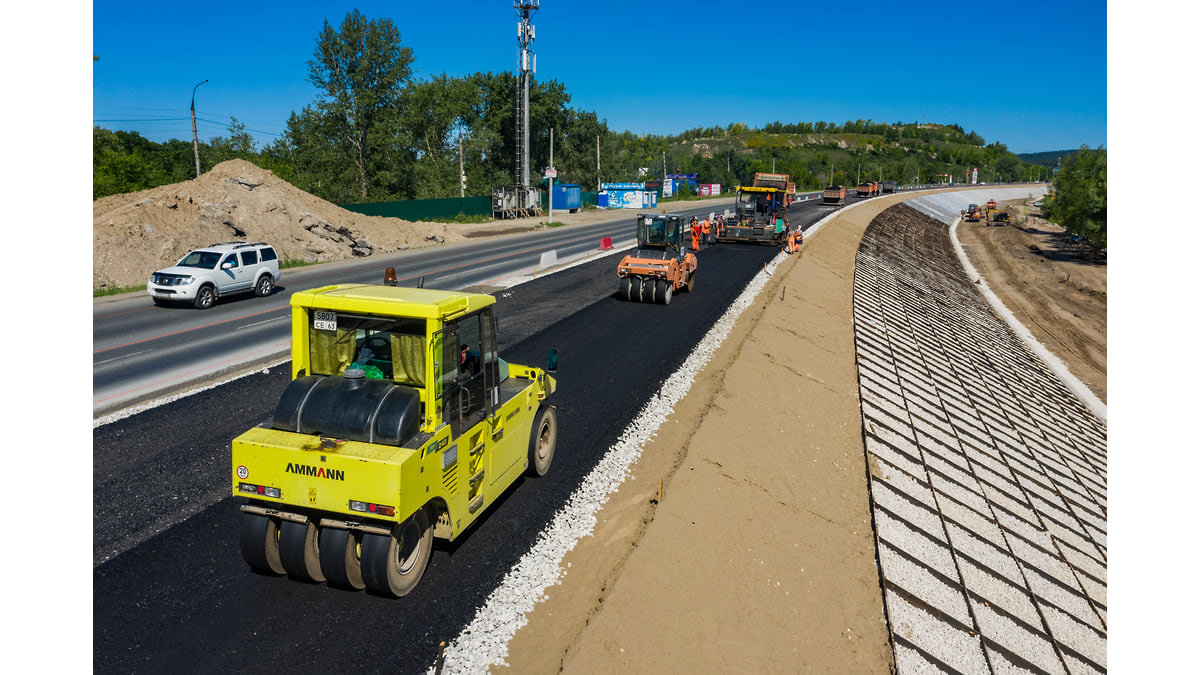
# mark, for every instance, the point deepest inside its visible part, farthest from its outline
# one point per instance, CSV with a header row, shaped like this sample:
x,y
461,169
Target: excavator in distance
x,y
660,265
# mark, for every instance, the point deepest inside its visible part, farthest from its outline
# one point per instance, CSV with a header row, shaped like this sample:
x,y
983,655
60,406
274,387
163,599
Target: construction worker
x,y
706,231
795,238
695,234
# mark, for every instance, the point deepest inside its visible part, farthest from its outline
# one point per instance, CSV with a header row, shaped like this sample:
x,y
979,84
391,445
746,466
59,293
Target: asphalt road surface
x,y
170,589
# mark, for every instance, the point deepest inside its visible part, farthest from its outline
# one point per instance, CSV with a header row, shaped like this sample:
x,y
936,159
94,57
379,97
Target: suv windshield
x,y
204,259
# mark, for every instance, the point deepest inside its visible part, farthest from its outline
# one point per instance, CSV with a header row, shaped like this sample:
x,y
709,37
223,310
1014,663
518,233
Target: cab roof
x,y
397,301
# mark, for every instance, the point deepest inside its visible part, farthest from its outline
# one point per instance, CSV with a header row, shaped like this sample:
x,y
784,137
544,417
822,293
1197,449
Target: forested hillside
x,y
376,133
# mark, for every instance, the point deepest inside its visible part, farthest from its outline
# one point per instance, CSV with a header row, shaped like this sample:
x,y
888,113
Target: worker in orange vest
x,y
706,230
795,238
695,234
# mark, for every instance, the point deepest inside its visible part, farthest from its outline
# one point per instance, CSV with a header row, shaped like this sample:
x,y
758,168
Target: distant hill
x,y
1050,158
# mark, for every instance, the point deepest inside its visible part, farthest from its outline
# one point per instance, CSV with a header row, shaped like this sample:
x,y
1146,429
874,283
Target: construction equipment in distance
x,y
660,265
869,189
401,424
996,217
834,194
990,210
760,211
972,213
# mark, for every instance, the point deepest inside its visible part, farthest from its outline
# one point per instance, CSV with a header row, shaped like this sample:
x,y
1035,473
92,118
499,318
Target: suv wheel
x,y
265,286
205,297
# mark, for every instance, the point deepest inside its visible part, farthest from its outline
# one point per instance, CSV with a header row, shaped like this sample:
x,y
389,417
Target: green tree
x,y
362,71
239,145
1079,202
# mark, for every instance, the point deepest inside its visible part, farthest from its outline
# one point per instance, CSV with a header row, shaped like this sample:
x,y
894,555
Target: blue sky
x,y
1038,83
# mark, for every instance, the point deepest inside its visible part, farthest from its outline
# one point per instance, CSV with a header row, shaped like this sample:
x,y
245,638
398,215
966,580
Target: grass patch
x,y
101,292
289,264
463,219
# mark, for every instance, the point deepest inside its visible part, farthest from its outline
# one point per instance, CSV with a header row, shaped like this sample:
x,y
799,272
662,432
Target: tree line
x,y
376,133
1079,199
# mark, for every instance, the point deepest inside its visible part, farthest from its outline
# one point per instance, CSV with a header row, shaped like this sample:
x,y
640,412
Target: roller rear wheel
x,y
339,551
260,543
298,551
393,564
543,438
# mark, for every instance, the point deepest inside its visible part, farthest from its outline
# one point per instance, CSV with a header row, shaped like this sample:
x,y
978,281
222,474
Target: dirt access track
x,y
722,554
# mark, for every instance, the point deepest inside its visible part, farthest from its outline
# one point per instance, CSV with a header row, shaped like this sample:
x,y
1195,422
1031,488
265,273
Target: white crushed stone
x,y
1033,647
1012,597
1077,636
920,582
484,642
951,646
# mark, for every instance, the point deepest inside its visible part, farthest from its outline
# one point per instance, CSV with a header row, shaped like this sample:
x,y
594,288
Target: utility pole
x,y
462,175
597,162
195,139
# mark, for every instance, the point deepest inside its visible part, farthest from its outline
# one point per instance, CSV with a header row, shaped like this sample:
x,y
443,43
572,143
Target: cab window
x,y
384,348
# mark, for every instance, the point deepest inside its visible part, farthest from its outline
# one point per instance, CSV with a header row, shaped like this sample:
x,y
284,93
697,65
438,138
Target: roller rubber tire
x,y
298,551
393,564
625,288
340,558
647,294
691,282
542,440
665,290
259,540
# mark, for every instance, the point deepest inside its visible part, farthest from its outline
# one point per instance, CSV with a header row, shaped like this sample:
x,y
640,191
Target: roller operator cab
x,y
401,423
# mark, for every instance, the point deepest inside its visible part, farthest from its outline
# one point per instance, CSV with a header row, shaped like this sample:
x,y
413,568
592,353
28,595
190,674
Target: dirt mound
x,y
136,233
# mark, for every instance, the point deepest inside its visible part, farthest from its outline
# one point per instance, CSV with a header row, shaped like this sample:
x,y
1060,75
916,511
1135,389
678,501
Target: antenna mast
x,y
525,35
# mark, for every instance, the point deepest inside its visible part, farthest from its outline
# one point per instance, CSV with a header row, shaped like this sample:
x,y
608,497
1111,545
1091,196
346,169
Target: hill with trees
x,y
376,133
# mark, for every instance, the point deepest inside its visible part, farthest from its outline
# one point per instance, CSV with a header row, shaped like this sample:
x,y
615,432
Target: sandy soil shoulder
x,y
760,556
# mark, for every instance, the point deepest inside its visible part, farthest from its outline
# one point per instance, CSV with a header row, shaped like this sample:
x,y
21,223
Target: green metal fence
x,y
425,209
444,209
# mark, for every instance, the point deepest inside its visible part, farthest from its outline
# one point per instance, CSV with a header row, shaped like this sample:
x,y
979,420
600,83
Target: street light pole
x,y
195,141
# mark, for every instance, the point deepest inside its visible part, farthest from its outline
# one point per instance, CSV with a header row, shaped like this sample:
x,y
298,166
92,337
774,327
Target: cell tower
x,y
521,200
525,35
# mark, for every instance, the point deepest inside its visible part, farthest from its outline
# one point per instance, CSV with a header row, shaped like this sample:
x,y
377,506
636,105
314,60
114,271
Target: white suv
x,y
206,274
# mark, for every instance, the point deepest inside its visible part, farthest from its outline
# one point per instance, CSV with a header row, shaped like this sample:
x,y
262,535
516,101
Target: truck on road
x,y
401,423
834,194
869,189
